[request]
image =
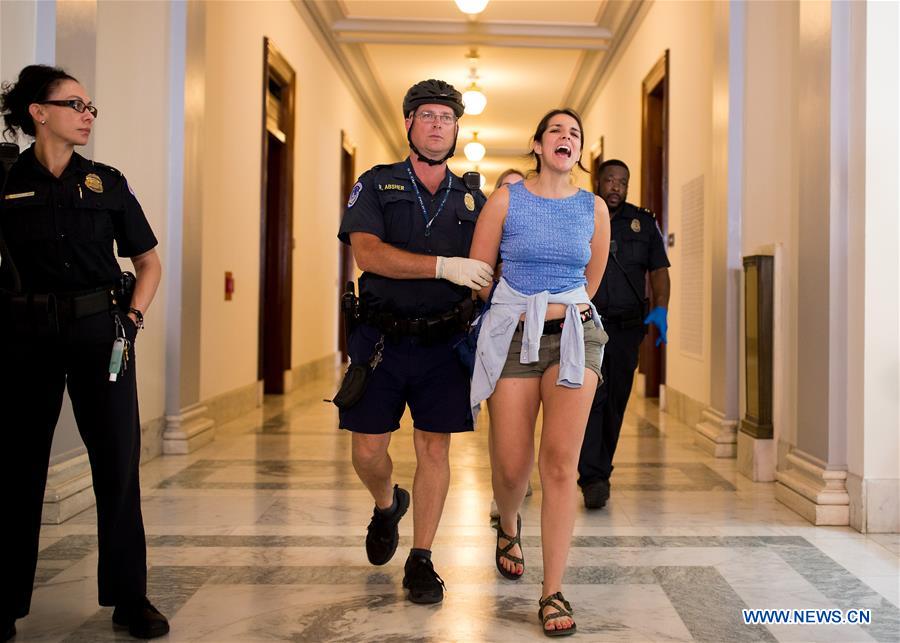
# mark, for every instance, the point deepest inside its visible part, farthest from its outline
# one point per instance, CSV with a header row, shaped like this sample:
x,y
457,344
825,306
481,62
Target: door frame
x,y
276,68
346,263
652,358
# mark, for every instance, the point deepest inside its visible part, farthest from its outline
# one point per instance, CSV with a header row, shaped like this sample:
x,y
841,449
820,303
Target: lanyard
x,y
428,221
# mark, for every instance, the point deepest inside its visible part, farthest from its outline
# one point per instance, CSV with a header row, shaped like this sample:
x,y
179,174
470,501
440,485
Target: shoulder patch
x,y
354,194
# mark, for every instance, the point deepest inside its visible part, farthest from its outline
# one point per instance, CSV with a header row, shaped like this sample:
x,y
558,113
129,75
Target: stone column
x,y
187,425
873,400
716,433
812,467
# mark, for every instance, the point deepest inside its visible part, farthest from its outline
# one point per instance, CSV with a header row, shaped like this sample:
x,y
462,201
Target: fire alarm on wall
x,y
229,285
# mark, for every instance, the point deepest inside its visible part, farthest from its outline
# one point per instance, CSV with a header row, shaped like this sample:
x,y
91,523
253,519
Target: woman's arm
x,y
489,230
599,247
148,270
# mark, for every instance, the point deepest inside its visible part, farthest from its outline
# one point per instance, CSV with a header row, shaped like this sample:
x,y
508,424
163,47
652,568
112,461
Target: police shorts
x,y
548,355
428,378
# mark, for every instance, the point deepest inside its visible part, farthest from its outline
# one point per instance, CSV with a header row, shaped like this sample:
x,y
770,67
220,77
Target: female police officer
x,y
66,321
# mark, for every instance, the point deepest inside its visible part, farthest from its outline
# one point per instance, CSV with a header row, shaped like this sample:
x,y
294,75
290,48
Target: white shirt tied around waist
x,y
499,323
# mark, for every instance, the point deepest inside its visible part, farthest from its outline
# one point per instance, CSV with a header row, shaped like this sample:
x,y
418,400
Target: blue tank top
x,y
546,243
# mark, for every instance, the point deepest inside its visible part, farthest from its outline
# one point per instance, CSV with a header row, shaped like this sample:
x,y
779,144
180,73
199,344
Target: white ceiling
x,y
534,55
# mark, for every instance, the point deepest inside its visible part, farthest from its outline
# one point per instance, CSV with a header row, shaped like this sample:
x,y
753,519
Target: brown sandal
x,y
560,607
503,552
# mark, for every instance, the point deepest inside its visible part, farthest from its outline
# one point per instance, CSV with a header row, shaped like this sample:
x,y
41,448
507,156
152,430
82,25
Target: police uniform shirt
x,y
60,231
384,203
640,249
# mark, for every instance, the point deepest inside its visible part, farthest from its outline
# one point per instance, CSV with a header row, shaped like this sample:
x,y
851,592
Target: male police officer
x,y
637,247
410,225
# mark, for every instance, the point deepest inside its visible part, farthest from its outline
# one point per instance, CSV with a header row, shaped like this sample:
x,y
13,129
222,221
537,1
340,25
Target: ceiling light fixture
x,y
474,150
471,7
473,98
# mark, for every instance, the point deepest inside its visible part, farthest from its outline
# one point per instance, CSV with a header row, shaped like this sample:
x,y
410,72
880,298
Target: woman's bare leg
x,y
513,408
565,417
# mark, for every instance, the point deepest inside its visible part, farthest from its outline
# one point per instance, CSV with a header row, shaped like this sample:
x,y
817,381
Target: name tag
x,y
18,195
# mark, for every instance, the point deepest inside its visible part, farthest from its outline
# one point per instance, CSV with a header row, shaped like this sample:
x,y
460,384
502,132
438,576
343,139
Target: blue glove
x,y
657,317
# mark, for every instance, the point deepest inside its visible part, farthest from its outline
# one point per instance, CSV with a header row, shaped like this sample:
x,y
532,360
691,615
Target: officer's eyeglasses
x,y
430,117
75,103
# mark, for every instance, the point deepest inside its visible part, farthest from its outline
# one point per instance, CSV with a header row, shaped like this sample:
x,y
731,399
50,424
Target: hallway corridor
x,y
259,536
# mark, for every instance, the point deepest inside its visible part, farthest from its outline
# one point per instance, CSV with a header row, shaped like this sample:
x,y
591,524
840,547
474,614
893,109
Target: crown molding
x,y
353,66
589,90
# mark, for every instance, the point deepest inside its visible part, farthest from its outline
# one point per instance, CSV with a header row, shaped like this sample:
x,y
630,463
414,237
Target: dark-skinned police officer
x,y
68,320
636,248
410,225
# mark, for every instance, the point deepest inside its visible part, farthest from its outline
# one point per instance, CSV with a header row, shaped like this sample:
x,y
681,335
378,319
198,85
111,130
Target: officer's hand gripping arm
x,y
470,273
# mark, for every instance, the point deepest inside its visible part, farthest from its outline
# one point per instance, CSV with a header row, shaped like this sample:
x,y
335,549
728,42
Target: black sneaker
x,y
7,629
383,536
423,583
596,494
142,619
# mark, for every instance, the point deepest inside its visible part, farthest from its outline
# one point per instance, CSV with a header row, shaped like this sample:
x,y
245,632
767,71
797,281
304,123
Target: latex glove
x,y
658,317
462,271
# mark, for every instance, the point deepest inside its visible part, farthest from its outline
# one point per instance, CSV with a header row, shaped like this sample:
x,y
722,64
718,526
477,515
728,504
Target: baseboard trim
x,y
152,438
232,404
316,369
683,407
69,488
756,457
874,504
188,431
813,491
715,434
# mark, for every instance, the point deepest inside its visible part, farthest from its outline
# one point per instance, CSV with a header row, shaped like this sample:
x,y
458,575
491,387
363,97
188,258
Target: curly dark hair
x,y
35,83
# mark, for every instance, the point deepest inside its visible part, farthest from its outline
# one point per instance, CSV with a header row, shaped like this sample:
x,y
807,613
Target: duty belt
x,y
46,310
429,329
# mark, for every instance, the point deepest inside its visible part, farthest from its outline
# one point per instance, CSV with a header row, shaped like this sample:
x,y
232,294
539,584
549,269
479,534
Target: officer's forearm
x,y
375,256
148,270
659,283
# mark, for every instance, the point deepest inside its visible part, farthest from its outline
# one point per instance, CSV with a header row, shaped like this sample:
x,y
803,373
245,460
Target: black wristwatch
x,y
140,317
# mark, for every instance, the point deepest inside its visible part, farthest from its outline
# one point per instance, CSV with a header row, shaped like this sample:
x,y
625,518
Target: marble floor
x,y
259,537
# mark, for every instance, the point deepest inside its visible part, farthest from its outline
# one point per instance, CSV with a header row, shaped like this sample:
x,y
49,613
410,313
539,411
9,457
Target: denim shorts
x,y
548,355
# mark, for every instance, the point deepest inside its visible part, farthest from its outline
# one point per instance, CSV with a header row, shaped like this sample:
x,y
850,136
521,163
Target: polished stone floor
x,y
259,537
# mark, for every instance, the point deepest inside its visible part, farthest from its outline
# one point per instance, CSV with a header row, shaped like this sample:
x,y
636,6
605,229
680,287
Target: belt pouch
x,y
357,377
353,386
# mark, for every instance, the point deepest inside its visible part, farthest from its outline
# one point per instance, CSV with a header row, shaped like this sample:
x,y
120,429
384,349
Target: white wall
x,y
27,36
880,465
687,30
131,135
231,197
770,198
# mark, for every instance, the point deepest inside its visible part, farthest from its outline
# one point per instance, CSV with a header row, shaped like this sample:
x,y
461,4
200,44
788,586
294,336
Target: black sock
x,y
390,510
420,553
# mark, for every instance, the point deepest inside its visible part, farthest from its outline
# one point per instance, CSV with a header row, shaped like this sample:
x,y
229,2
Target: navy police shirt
x,y
60,231
640,249
384,203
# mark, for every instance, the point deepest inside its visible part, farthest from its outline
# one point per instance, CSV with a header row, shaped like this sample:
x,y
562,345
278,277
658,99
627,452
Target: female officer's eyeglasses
x,y
75,103
430,117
